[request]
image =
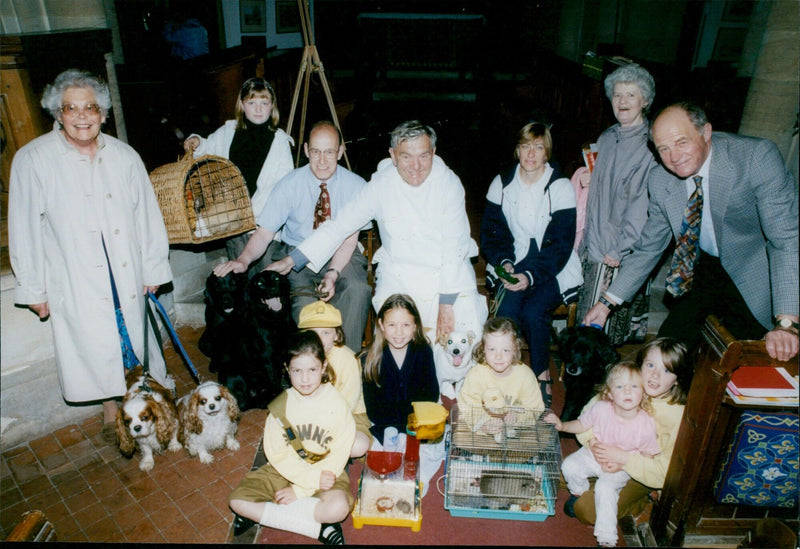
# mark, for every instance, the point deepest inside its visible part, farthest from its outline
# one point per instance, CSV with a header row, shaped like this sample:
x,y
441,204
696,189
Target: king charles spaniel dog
x,y
209,418
147,419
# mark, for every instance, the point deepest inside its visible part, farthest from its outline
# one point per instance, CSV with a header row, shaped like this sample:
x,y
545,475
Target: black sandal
x,y
331,534
241,524
569,506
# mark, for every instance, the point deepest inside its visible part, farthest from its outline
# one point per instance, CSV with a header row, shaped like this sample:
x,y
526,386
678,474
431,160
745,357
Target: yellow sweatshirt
x,y
651,471
348,377
520,387
324,424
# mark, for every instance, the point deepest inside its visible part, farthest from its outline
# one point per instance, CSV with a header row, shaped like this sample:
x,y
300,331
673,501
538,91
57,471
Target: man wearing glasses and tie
x,y
301,201
731,206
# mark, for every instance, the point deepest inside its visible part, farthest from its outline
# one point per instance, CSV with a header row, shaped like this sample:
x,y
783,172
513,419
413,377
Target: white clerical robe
x,y
425,242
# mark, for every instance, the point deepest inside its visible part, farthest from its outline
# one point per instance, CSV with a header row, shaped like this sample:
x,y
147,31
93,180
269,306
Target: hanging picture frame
x,y
252,16
287,17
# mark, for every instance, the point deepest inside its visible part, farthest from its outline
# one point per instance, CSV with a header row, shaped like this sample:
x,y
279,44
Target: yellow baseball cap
x,y
319,315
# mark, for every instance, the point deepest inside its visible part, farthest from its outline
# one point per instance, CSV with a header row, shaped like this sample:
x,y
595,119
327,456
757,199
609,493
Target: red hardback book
x,y
760,381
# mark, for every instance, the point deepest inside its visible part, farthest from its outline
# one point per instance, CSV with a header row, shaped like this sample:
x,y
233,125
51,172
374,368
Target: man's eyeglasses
x,y
73,110
327,153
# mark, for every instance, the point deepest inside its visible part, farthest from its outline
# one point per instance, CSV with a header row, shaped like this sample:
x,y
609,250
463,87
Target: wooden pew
x,y
687,511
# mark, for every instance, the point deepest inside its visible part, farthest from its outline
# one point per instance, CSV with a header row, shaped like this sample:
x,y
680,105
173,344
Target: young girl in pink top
x,y
619,417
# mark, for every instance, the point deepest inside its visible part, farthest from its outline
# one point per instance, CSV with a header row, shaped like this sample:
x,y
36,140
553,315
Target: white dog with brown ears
x,y
147,419
209,418
452,355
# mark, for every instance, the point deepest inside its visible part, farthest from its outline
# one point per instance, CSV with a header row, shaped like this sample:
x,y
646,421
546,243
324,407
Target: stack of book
x,y
763,386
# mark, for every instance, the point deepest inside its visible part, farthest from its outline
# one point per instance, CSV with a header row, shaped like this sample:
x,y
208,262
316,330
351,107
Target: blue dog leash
x,y
174,336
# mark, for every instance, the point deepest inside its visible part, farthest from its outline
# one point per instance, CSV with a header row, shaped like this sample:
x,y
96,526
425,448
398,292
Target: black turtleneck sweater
x,y
249,150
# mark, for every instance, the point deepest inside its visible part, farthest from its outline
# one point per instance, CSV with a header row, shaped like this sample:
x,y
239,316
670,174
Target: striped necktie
x,y
687,249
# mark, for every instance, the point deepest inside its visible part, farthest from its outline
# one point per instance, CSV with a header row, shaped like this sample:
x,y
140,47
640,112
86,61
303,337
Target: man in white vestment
x,y
418,203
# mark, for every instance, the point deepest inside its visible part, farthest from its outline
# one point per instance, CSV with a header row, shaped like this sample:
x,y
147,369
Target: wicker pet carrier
x,y
202,199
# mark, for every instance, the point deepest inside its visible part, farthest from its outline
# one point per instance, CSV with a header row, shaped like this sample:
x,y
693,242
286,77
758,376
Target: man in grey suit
x,y
747,269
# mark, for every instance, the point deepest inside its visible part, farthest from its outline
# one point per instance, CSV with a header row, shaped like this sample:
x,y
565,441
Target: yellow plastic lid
x,y
429,413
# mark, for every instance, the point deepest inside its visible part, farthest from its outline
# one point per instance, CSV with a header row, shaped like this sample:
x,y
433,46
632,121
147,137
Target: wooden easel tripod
x,y
309,64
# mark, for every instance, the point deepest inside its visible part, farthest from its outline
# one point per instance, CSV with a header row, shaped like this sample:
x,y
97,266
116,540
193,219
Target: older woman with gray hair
x,y
86,242
616,209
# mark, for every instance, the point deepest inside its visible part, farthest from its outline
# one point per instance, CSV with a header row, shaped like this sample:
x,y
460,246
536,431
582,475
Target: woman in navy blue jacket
x,y
528,229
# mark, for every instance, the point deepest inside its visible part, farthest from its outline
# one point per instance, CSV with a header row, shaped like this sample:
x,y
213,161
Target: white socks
x,y
297,517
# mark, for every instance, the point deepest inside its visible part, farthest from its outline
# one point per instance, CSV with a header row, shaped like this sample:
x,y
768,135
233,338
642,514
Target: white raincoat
x,y
425,242
60,203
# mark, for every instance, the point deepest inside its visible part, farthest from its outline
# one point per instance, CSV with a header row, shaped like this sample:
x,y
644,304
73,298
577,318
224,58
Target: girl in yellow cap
x,y
326,320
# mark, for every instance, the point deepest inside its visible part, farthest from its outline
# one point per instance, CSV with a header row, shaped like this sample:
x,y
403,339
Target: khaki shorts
x,y
362,425
261,485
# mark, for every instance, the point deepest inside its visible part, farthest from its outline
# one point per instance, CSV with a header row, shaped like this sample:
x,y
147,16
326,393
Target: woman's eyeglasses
x,y
73,110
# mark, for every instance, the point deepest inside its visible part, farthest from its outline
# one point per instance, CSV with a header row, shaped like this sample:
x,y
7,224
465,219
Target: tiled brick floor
x,y
92,493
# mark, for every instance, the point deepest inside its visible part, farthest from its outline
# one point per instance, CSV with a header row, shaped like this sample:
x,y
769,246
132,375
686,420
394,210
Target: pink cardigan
x,y
581,194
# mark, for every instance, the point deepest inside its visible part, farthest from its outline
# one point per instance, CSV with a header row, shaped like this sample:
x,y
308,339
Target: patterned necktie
x,y
322,211
679,280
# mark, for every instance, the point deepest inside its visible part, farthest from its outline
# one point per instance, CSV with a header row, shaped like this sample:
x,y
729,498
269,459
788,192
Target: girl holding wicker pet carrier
x,y
253,142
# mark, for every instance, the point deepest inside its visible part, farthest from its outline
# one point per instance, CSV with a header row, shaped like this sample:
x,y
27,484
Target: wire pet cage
x,y
202,199
503,465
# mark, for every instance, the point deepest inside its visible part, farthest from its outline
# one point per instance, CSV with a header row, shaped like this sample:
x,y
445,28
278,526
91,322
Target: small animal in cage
x,y
389,492
202,199
214,203
497,419
507,488
216,219
494,475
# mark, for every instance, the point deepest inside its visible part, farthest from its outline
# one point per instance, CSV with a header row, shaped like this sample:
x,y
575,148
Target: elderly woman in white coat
x,y
82,213
253,142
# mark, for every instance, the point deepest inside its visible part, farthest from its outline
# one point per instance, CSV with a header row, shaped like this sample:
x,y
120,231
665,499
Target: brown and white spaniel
x,y
147,419
209,418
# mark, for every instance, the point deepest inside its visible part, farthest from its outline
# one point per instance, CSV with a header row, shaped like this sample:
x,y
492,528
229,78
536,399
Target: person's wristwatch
x,y
786,323
602,299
